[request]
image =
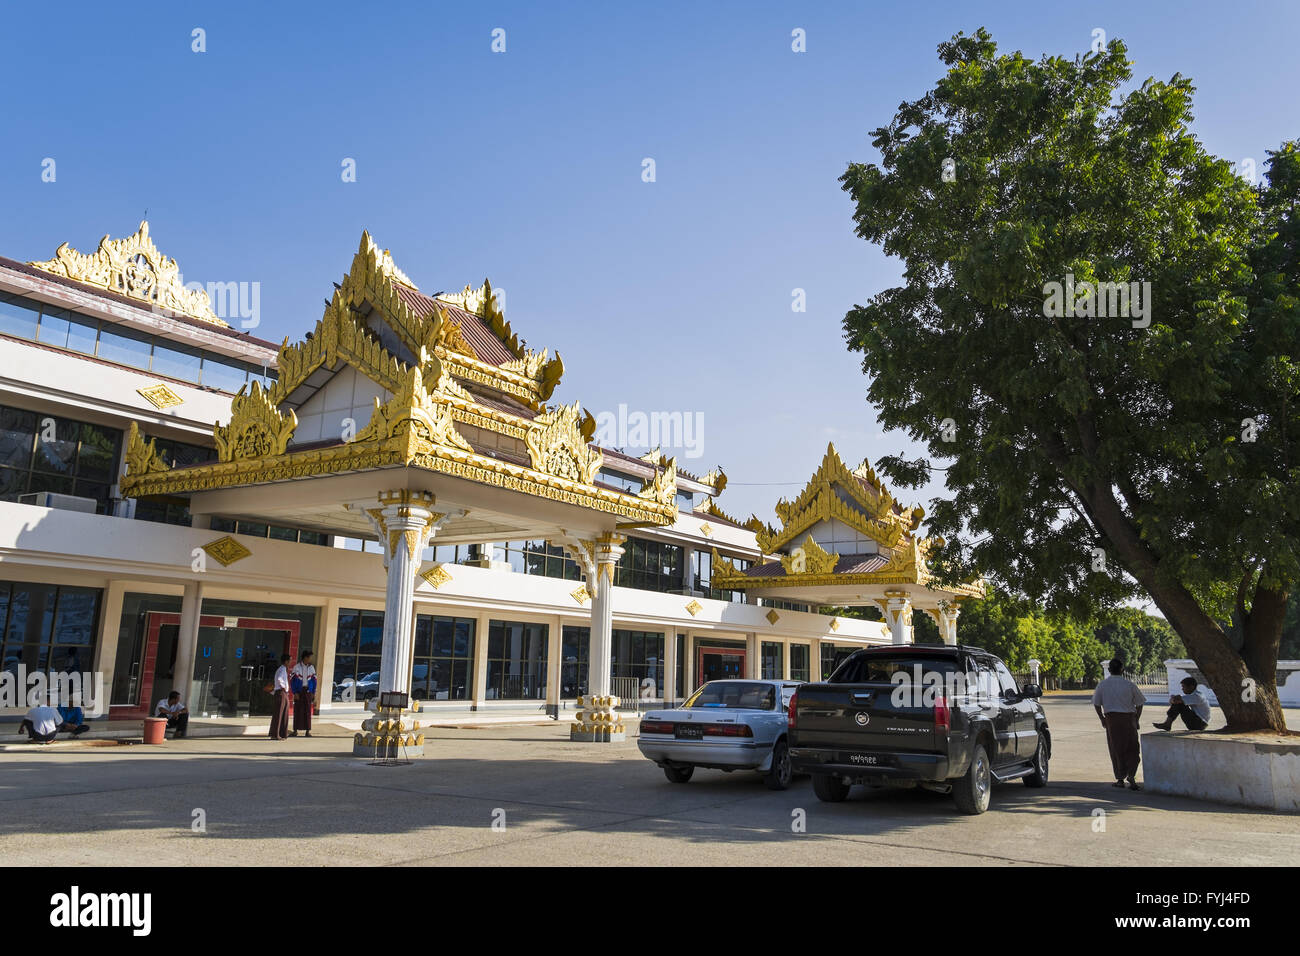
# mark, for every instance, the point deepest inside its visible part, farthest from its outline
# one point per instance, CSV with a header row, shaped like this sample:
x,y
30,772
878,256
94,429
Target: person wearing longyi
x,y
279,729
302,684
1118,702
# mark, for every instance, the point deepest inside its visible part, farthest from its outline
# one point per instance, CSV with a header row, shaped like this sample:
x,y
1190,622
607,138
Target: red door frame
x,y
700,649
155,622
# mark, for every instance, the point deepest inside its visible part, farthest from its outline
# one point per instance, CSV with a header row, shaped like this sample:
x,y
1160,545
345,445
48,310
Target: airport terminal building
x,y
181,503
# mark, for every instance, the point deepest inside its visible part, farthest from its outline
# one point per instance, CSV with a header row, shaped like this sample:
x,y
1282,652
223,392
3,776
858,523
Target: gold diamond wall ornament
x,y
437,576
835,624
226,550
706,529
695,607
580,594
160,396
772,617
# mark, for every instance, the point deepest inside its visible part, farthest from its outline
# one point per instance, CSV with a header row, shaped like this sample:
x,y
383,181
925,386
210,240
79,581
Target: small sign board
x,y
392,698
230,622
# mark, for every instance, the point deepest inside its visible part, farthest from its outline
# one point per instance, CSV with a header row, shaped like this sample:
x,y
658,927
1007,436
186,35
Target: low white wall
x,y
1244,770
1288,691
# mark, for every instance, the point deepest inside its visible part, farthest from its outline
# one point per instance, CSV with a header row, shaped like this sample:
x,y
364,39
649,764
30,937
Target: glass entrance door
x,y
234,663
720,663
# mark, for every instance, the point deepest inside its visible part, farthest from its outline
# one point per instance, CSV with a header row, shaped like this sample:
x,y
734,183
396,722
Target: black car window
x,y
890,668
741,695
1007,682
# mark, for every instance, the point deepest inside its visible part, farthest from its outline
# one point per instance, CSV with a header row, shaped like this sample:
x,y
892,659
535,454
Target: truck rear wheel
x,y
971,793
829,788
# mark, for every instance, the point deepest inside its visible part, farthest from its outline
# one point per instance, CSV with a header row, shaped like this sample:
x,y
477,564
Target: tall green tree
x,y
1093,455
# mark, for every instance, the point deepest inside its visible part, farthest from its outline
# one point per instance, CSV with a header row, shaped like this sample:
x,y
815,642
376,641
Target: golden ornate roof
x,y
444,400
133,267
855,498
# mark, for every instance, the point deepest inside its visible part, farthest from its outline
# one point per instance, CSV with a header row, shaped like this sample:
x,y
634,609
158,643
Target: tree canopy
x,y
1098,328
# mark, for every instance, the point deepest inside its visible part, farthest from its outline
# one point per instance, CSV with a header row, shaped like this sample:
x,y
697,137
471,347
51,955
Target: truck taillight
x,y
794,698
942,716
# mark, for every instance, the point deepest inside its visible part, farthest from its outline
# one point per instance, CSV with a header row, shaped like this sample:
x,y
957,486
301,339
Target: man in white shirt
x,y
302,682
1118,702
177,714
1192,707
41,724
279,729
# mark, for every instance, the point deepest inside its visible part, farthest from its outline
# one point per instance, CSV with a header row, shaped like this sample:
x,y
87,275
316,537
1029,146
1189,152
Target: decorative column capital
x,y
404,516
596,557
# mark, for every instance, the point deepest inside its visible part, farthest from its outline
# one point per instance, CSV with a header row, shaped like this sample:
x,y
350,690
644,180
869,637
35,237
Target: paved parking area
x,y
555,803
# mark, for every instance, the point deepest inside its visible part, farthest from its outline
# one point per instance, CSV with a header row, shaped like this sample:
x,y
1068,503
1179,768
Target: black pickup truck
x,y
935,716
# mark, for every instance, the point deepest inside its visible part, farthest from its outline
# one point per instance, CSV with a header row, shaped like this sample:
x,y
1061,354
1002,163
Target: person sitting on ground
x,y
74,721
41,724
177,714
1191,706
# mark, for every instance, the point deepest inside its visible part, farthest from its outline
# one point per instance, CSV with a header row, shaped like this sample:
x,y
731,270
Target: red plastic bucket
x,y
155,730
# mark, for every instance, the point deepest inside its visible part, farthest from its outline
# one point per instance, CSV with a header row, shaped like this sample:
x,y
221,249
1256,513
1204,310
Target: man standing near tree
x,y
1118,702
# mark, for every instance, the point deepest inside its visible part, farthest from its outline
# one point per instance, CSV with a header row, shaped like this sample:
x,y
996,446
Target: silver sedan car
x,y
725,725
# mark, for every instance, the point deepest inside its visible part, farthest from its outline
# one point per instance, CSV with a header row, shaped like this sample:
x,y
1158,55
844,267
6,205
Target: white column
x,y
110,626
669,690
898,614
947,620
554,648
482,624
404,522
187,642
326,647
608,549
753,664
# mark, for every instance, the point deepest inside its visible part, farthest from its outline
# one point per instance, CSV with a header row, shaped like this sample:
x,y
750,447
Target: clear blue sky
x,y
526,167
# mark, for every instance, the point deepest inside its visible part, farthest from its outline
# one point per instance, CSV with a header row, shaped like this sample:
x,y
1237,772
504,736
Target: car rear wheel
x,y
1039,777
679,773
778,777
829,788
971,793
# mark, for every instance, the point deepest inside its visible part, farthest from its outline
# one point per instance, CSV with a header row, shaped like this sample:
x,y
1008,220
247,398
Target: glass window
x,y
17,437
43,626
443,658
124,348
16,318
733,695
370,640
650,566
770,658
799,662
176,363
218,374
282,534
254,528
638,662
54,327
516,661
83,333
97,456
574,664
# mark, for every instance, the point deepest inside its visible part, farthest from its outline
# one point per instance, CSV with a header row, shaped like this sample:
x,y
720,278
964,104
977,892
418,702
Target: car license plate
x,y
689,732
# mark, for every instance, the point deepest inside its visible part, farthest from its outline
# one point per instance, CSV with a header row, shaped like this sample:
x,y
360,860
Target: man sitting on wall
x,y
41,724
177,714
1192,707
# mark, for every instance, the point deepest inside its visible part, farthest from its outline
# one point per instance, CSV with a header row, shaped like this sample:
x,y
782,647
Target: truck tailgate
x,y
861,717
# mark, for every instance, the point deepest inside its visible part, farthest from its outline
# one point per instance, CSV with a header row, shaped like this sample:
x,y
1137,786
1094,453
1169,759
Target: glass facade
x,y
770,659
48,628
444,658
516,661
800,661
38,322
637,655
536,557
650,566
169,509
702,575
274,531
356,654
131,633
40,452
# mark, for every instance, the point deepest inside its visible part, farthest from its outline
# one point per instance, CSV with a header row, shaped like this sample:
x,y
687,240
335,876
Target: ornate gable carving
x,y
809,558
133,267
257,429
559,444
142,457
416,415
662,488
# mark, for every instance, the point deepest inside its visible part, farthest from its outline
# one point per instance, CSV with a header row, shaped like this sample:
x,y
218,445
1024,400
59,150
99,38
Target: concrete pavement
x,y
525,795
